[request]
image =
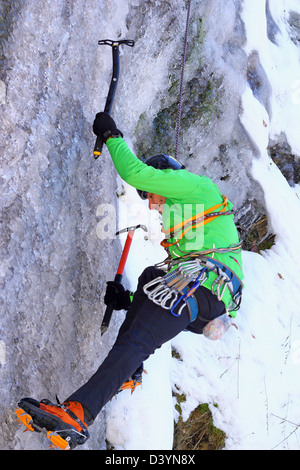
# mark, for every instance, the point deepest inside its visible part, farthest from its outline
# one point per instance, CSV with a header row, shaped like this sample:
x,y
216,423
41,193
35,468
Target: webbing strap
x,y
72,415
187,299
198,220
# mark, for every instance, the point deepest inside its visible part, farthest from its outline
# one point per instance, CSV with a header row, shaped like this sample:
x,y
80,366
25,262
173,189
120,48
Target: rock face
x,y
52,262
54,78
212,139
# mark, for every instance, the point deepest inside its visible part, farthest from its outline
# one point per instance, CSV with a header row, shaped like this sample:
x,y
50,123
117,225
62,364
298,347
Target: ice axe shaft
x,y
114,81
120,270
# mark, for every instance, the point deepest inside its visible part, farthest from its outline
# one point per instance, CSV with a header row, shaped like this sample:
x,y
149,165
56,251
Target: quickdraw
x,y
169,290
188,296
180,284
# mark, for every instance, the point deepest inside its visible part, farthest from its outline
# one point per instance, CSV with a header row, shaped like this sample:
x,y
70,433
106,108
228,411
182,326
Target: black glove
x,y
104,127
116,293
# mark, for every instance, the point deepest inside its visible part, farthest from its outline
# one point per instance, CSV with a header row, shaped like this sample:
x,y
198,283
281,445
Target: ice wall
x,y
54,78
52,263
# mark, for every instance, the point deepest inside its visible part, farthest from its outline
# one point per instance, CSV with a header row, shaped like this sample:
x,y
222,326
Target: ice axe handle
x,y
118,278
113,84
98,147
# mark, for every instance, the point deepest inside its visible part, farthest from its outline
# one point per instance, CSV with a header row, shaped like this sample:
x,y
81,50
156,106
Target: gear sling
x,y
186,275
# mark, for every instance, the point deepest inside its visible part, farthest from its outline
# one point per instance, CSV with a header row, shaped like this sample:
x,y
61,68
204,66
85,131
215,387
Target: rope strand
x,y
181,79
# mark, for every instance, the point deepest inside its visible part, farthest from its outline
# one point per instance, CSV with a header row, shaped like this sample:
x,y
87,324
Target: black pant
x,y
146,328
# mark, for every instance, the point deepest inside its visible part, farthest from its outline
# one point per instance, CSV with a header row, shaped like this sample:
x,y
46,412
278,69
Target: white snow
x,y
252,374
249,378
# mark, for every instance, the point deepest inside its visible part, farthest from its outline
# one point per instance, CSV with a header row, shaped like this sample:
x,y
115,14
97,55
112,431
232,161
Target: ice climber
x,y
200,281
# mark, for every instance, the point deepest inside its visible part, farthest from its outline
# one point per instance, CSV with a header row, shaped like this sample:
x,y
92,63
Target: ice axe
x,y
119,275
114,81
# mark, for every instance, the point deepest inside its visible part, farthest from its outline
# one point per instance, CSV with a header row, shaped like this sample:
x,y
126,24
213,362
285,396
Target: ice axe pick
x,y
118,277
114,81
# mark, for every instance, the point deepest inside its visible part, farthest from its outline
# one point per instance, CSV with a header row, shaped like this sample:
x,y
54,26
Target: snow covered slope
x,y
242,95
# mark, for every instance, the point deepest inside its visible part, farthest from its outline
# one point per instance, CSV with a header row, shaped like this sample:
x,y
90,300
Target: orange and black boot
x,y
134,381
66,424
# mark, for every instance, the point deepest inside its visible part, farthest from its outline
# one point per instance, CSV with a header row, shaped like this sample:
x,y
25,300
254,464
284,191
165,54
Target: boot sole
x,y
61,434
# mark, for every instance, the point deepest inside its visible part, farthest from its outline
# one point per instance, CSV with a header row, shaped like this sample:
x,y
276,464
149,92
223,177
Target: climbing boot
x,y
134,381
65,425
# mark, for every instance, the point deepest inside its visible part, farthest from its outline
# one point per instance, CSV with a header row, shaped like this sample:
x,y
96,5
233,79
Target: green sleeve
x,y
169,183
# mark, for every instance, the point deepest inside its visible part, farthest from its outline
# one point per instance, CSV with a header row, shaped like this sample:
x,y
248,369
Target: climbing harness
x,y
181,80
169,261
180,283
169,290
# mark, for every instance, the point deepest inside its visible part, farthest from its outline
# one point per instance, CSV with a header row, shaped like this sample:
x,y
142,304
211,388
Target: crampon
x,y
64,429
134,381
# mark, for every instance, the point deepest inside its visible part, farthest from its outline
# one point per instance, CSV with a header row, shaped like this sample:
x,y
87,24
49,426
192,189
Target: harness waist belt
x,y
175,287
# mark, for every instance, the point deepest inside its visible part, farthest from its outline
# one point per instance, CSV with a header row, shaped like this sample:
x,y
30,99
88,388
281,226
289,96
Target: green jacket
x,y
186,194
